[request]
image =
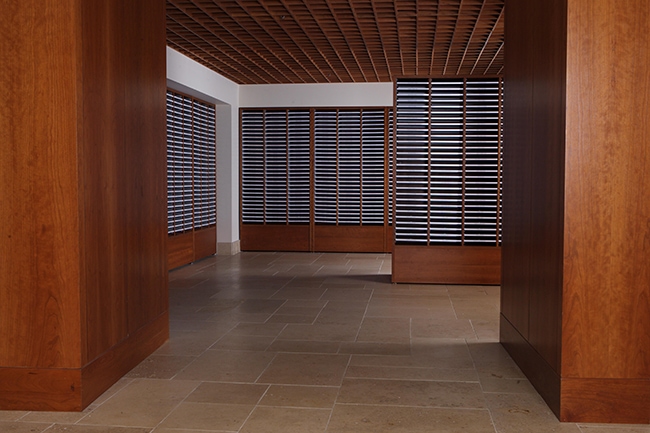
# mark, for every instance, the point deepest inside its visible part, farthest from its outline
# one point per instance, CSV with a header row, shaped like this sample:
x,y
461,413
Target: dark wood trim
x,y
47,389
446,264
205,242
274,237
357,239
541,375
73,389
180,250
104,371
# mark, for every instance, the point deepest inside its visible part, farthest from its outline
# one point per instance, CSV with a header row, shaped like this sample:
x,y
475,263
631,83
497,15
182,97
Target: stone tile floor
x,y
306,343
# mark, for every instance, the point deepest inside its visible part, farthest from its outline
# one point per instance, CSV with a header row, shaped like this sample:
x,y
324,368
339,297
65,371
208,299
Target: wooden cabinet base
x,y
74,389
446,264
604,400
599,400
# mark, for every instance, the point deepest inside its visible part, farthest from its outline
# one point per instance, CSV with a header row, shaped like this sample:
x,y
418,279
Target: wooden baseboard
x,y
446,264
600,400
349,239
205,243
180,250
540,374
104,371
274,237
43,389
623,401
40,389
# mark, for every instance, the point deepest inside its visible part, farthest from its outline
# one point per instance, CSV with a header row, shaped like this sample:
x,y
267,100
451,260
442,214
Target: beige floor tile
x,y
68,428
396,419
242,342
502,385
292,318
412,373
292,310
208,416
319,332
486,330
476,309
299,293
143,403
299,346
492,359
524,413
286,420
55,417
437,327
227,393
257,329
182,430
341,318
617,428
305,369
227,366
24,427
160,366
411,312
441,353
393,330
346,306
110,392
406,300
376,348
412,393
240,295
260,306
300,396
12,415
346,294
187,344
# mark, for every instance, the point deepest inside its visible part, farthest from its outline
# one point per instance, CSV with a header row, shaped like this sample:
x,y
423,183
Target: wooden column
x,y
576,274
83,283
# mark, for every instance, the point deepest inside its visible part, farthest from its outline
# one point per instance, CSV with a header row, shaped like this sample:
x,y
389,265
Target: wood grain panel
x,y
606,400
517,166
205,242
274,237
39,220
607,278
354,239
104,371
547,178
102,155
48,389
446,265
180,250
143,33
534,174
83,193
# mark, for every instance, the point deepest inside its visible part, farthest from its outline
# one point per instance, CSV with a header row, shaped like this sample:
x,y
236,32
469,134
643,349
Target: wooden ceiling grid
x,y
334,41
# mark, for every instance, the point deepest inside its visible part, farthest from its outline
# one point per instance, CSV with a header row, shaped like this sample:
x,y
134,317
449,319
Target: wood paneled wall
x,y
576,280
83,291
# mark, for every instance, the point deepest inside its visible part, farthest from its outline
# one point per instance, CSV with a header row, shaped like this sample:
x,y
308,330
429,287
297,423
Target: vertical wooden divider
x,y
83,246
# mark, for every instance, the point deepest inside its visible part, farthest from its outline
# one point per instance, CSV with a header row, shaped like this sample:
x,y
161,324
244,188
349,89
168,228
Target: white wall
x,y
187,76
317,95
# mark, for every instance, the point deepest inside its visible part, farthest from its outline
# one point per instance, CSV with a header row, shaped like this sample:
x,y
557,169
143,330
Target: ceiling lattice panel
x,y
334,41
